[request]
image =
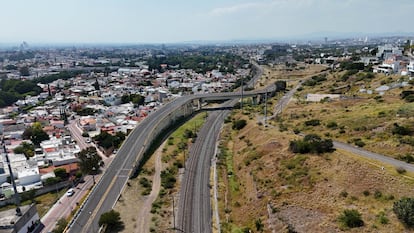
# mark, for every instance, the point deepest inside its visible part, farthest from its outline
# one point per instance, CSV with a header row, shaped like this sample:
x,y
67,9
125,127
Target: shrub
x,y
358,142
313,122
332,125
404,209
145,182
366,193
401,130
400,170
343,194
377,194
382,218
351,219
311,143
407,96
406,158
168,178
239,124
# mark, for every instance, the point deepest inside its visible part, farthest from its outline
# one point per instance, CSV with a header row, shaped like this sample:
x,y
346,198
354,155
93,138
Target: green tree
x,y
108,141
404,209
35,133
24,71
239,124
280,85
61,173
25,148
112,220
89,161
351,219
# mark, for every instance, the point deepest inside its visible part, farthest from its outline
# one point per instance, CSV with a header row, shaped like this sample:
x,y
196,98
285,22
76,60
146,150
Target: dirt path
x,y
143,218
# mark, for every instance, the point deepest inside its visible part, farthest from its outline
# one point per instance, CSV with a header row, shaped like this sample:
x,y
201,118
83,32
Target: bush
x,y
145,182
351,219
377,194
311,143
239,124
382,218
404,209
406,158
332,125
343,194
400,170
168,178
313,122
407,96
358,142
401,130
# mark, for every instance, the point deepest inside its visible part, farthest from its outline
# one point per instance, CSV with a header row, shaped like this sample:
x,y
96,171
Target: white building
x,y
410,68
28,176
319,97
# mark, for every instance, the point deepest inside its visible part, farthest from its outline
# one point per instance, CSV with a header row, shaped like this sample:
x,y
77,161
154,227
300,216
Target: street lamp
x,y
93,175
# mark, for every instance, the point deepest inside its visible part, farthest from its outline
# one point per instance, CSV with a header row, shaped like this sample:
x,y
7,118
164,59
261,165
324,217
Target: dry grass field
x,y
261,181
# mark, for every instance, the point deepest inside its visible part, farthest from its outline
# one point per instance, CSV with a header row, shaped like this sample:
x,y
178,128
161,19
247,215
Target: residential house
x,y
87,123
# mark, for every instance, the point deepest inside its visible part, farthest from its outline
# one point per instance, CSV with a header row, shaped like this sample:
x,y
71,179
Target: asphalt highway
x,y
107,191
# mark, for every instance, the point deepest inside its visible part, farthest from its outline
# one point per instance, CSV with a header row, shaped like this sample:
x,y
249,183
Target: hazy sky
x,y
163,21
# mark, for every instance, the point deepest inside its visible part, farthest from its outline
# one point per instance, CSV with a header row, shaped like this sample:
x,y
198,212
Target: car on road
x,y
70,192
88,140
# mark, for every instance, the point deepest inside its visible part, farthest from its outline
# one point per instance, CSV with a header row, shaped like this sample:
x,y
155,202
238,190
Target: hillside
x,y
263,186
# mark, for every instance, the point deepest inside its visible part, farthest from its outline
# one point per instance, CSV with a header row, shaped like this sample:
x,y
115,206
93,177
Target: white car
x,y
70,192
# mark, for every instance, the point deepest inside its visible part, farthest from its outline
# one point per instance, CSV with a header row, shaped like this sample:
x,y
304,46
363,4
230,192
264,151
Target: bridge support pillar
x,y
256,100
199,104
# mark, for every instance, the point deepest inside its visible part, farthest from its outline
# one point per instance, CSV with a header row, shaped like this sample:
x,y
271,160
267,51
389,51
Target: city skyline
x,y
161,21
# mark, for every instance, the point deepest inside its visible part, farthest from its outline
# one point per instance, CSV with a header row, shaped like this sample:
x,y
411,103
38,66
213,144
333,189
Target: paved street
x,y
65,205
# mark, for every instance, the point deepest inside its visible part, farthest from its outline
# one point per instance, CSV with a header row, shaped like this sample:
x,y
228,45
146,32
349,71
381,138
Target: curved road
x,y
371,155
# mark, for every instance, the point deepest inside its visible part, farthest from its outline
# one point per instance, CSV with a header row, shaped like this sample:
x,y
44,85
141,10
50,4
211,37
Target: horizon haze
x,y
161,21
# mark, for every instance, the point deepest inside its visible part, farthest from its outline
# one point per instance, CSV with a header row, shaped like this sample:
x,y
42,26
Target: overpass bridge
x,y
130,156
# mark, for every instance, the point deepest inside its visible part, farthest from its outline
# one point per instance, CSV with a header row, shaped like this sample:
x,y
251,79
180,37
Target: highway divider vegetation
x,y
174,154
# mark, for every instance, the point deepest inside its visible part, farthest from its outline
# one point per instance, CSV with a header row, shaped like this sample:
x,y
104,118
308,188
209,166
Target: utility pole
x,y
184,159
16,194
241,103
265,110
173,212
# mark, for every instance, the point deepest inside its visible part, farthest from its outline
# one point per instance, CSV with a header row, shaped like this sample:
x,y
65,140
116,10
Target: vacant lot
x,y
262,182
